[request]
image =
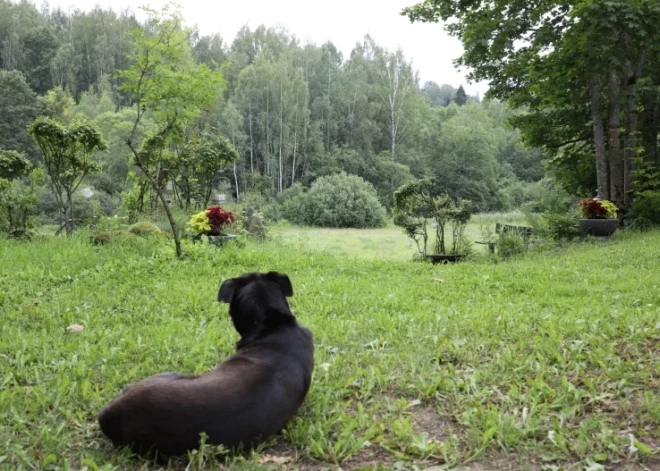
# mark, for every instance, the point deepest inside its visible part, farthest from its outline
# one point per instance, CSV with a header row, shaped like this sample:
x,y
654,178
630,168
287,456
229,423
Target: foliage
x,y
13,164
18,195
396,342
145,229
340,200
646,207
212,221
510,243
417,202
592,208
58,104
104,238
575,67
165,82
199,163
461,97
66,153
19,108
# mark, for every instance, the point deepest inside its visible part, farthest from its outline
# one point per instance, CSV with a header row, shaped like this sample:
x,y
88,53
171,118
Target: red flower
x,y
218,219
593,209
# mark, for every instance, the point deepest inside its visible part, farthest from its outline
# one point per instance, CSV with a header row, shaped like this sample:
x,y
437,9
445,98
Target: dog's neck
x,y
273,320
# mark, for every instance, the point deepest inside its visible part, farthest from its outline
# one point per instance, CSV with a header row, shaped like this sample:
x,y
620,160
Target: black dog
x,y
244,401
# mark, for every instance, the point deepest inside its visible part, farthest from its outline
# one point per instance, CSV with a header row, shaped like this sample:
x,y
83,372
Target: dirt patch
x,y
428,420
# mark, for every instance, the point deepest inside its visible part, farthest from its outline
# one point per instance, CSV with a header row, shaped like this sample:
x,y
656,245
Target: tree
x,y
19,108
200,162
165,81
572,63
67,158
17,199
461,97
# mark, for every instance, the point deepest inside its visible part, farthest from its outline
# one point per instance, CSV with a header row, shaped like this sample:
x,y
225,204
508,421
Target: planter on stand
x,y
599,227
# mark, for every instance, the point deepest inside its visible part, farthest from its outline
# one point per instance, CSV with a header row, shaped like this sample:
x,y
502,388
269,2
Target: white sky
x,y
344,22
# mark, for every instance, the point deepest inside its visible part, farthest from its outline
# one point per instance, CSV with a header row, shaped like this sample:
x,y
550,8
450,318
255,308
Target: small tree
x,y
17,199
165,82
461,97
200,161
67,159
417,202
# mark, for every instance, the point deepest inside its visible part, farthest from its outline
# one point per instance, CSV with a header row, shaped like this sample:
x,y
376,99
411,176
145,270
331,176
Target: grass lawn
x,y
548,361
388,243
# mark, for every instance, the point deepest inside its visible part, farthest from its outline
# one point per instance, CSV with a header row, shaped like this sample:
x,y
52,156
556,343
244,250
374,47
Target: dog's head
x,y
257,301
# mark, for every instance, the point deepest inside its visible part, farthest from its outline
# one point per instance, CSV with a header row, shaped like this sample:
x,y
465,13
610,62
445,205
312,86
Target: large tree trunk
x,y
614,144
599,139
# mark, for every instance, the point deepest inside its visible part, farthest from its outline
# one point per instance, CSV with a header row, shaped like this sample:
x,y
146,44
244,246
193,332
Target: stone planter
x,y
598,227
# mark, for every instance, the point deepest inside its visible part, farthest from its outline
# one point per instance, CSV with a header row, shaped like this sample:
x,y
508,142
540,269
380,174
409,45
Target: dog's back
x,y
246,399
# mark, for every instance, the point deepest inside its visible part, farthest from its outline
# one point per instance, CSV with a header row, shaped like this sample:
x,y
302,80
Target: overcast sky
x,y
344,22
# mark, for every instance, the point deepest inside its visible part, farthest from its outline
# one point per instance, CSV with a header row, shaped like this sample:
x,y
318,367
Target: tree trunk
x,y
161,196
236,183
295,144
69,216
280,170
599,139
630,141
616,161
170,218
251,139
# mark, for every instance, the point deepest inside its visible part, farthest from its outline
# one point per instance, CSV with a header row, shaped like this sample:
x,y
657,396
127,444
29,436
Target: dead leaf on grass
x,y
75,328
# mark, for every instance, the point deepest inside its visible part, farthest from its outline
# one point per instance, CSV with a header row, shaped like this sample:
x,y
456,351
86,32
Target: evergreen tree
x,y
461,97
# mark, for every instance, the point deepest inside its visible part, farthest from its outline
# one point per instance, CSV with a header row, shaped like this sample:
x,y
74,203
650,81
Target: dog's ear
x,y
282,280
226,292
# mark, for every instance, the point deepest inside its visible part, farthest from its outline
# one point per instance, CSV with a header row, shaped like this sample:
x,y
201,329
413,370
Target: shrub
x,y
646,206
510,243
339,200
558,218
104,238
146,229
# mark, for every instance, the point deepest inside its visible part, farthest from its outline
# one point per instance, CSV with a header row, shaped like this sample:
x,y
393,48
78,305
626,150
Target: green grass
x,y
389,243
551,359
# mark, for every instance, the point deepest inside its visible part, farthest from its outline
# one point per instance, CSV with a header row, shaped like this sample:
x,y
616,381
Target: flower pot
x,y
598,227
444,258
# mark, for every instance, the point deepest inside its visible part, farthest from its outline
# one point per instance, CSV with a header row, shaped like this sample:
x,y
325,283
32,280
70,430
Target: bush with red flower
x,y
211,222
592,208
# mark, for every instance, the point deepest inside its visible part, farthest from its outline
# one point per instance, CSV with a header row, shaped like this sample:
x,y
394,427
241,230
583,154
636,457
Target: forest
x,y
294,112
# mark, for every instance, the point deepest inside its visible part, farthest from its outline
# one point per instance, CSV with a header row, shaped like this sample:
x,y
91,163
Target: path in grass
x,y
551,359
388,243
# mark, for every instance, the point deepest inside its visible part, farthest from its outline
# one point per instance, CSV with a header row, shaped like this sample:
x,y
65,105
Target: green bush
x,y
104,238
146,229
553,213
339,200
646,206
511,243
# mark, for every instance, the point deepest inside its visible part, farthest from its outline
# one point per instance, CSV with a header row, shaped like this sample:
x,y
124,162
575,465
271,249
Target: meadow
x,y
544,361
